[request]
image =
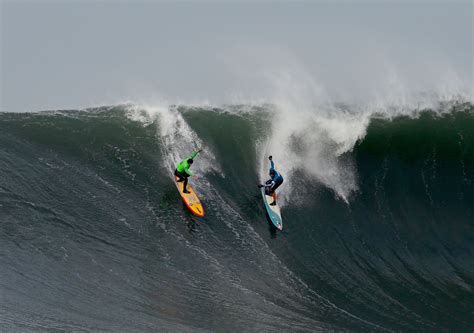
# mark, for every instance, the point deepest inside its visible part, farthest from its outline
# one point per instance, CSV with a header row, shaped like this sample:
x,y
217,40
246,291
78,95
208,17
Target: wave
x,y
377,208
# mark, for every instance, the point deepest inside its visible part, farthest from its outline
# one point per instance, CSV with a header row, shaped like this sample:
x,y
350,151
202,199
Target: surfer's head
x,y
190,161
272,172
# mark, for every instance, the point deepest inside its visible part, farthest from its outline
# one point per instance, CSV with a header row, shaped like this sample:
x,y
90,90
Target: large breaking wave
x,y
377,210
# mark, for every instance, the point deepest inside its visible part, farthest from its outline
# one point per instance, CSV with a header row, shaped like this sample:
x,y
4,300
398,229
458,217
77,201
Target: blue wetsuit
x,y
275,181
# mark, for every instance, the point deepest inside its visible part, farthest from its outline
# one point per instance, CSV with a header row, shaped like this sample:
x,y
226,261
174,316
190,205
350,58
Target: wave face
x,y
378,225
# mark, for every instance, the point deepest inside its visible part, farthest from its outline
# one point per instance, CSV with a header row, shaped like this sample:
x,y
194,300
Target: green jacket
x,y
183,166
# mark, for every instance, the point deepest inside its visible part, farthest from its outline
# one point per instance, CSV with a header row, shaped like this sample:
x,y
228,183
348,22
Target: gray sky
x,y
86,53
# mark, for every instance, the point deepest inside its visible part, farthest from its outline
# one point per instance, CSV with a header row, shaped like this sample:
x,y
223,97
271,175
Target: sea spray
x,y
177,138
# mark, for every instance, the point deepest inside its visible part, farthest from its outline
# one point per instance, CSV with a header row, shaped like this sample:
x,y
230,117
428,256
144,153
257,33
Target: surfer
x,y
182,170
273,183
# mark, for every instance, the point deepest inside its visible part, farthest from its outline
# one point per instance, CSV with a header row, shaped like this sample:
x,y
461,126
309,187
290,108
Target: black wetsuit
x,y
181,177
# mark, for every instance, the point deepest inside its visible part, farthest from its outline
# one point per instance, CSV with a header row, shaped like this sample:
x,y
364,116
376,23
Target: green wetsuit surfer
x,y
182,170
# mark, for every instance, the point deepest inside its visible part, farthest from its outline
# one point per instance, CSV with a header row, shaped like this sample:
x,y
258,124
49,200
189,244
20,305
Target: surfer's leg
x,y
273,191
274,198
179,175
185,185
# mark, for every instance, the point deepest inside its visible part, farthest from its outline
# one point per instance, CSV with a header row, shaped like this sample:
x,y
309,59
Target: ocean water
x,y
377,207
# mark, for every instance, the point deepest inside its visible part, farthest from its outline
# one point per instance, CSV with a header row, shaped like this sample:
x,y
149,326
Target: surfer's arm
x,y
188,172
272,165
194,154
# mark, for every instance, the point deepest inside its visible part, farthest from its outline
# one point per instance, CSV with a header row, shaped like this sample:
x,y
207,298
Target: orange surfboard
x,y
190,199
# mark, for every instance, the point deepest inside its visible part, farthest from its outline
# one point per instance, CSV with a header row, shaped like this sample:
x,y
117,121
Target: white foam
x,y
313,144
309,134
177,138
310,131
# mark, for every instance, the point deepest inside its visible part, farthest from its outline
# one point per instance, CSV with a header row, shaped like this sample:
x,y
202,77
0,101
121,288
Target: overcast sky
x,y
71,54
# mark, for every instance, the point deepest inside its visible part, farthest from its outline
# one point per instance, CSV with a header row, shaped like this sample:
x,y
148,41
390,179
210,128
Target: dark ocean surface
x,y
94,235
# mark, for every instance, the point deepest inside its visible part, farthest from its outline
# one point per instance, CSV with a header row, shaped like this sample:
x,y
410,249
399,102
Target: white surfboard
x,y
273,211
